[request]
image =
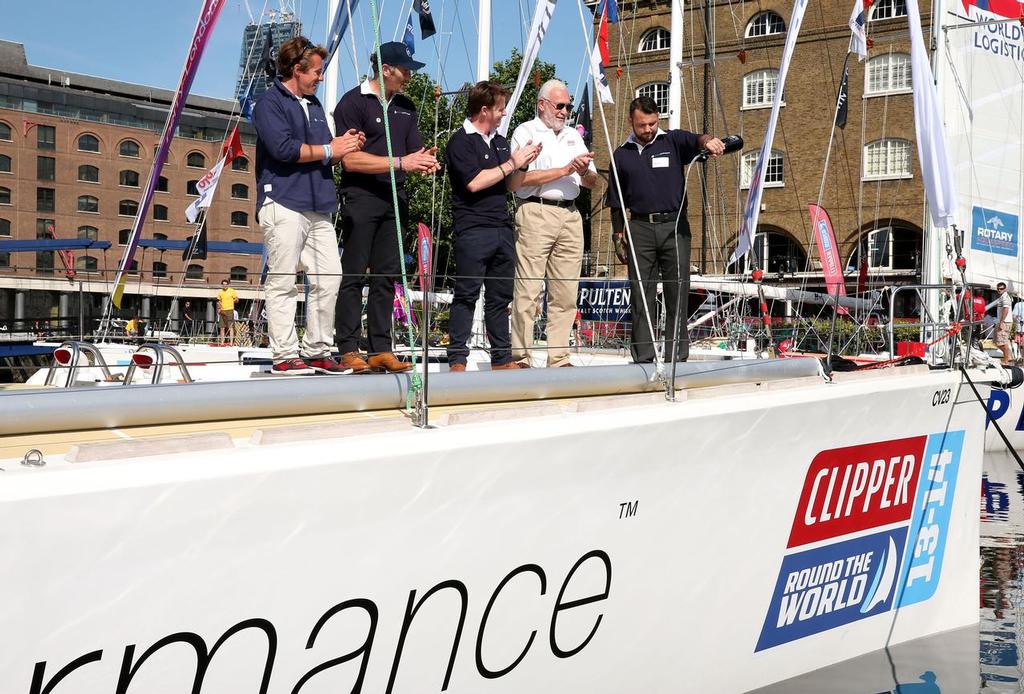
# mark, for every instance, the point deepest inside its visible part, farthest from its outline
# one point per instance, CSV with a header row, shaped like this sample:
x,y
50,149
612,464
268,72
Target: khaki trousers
x,y
549,243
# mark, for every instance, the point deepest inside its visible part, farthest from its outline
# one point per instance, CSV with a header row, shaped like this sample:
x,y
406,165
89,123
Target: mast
x,y
332,78
483,42
675,56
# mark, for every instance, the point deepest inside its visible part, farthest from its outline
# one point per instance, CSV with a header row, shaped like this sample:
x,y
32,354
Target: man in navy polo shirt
x,y
369,237
295,198
650,166
482,170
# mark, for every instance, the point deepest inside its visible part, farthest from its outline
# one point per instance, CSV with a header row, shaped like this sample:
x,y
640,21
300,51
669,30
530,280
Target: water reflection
x,y
985,658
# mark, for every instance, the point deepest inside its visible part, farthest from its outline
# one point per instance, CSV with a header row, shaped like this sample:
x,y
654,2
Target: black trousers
x,y
369,245
663,254
483,256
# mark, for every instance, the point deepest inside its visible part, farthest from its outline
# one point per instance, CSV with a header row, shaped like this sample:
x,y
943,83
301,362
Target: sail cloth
x,y
538,28
204,28
339,25
600,56
753,206
931,137
207,185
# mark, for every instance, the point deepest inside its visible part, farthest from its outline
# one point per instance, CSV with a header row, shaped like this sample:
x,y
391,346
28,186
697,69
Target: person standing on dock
x,y
295,157
649,167
549,228
368,233
482,169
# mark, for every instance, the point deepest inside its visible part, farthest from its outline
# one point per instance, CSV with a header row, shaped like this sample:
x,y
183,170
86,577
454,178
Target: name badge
x,y
659,162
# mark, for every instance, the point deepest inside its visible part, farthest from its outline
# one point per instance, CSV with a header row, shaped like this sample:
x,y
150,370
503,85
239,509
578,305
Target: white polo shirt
x,y
559,149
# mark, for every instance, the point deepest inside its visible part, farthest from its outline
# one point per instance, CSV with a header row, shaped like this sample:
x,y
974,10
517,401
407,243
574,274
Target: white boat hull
x,y
622,550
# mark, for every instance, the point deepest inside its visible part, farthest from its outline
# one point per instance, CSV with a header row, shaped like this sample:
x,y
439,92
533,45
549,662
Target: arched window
x,y
239,274
765,24
88,203
196,160
776,252
129,148
5,259
239,164
659,92
5,196
5,164
86,263
194,272
774,174
128,208
157,236
759,88
887,73
239,219
88,173
159,269
87,232
888,9
240,191
160,213
5,227
657,39
887,158
88,143
133,269
161,184
129,179
888,248
123,235
191,187
5,132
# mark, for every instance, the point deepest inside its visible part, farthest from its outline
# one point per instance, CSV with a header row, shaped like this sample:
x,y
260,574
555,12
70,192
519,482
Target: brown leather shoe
x,y
354,361
509,365
456,368
386,361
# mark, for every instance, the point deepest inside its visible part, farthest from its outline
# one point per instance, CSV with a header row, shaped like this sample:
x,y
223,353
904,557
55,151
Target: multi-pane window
x,y
888,9
88,173
128,178
161,184
87,232
239,219
159,269
659,92
46,137
765,24
160,213
191,187
774,170
44,259
656,39
129,148
128,208
123,236
5,196
45,228
5,227
239,274
888,158
5,259
88,203
46,199
759,88
240,191
239,164
194,272
88,143
159,237
86,263
46,168
887,73
196,160
5,132
5,163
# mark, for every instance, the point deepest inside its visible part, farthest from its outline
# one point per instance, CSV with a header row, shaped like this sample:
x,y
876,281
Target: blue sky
x,y
144,41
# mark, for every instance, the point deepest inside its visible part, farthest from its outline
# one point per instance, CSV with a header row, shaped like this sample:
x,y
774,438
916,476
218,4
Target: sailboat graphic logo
x,y
884,581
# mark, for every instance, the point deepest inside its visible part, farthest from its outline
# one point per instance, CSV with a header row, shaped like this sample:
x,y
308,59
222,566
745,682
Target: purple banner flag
x,y
204,27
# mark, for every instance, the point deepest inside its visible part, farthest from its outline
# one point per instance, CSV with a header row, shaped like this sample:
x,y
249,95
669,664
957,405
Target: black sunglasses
x,y
558,107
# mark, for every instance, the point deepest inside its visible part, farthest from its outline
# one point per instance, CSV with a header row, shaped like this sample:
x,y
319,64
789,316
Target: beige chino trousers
x,y
549,243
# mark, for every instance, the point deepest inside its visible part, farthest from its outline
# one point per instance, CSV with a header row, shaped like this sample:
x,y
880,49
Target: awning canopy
x,y
211,247
25,245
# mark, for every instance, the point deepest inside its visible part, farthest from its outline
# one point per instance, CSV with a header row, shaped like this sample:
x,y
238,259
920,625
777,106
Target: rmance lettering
x,y
130,666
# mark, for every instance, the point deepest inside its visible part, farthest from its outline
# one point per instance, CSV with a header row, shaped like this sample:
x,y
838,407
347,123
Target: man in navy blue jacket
x,y
295,198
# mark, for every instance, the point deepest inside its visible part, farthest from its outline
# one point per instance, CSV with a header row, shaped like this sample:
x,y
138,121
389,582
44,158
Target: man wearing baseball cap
x,y
370,243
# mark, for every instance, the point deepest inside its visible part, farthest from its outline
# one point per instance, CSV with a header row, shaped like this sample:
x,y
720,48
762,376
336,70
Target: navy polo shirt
x,y
467,154
651,176
361,109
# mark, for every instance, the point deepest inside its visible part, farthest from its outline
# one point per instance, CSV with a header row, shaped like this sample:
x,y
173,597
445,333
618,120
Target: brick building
x,y
75,154
873,190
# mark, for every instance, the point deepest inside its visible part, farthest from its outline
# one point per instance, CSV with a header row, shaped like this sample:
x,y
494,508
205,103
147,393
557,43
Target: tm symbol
x,y
628,509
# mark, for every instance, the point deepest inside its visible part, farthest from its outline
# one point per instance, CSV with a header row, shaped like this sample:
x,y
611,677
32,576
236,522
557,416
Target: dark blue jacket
x,y
281,130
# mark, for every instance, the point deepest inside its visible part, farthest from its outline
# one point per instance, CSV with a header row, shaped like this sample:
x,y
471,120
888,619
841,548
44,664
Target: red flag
x,y
233,146
423,256
602,37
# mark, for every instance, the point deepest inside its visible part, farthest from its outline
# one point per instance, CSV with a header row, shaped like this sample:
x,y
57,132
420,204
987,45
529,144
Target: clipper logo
x,y
868,536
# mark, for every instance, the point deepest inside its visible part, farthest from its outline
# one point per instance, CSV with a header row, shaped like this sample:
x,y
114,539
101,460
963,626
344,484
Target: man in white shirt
x,y
549,228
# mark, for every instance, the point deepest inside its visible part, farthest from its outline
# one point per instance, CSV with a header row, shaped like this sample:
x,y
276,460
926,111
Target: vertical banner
x,y
204,27
753,207
828,251
538,28
599,57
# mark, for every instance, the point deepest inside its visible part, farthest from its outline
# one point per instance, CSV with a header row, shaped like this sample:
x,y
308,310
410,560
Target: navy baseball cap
x,y
398,54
